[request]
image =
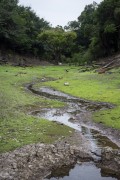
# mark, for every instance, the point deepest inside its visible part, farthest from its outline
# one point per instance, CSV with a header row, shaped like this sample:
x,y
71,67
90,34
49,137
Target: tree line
x,y
95,34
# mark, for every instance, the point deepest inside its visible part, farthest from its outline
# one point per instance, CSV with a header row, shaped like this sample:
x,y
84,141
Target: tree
x,y
19,27
108,18
8,24
57,42
33,25
72,26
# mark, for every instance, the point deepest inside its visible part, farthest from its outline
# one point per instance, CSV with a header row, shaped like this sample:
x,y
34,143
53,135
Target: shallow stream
x,y
69,116
83,171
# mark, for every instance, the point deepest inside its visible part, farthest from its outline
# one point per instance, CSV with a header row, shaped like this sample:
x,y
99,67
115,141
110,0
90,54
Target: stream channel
x,y
72,115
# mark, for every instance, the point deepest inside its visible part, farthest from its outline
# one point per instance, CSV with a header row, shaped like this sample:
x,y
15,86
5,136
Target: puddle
x,y
85,171
58,116
96,140
66,116
100,140
54,94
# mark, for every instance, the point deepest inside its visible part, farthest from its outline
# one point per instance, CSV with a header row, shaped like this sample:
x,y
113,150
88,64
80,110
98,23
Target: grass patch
x,y
92,86
16,127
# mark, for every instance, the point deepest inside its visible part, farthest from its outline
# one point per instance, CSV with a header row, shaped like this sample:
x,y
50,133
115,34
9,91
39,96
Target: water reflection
x,y
85,171
96,140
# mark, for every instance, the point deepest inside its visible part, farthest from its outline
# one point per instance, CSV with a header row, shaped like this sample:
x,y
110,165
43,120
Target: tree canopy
x,y
95,34
57,42
98,30
19,27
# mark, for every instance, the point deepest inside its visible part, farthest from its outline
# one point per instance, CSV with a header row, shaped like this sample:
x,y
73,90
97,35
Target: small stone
x,y
60,64
30,166
66,83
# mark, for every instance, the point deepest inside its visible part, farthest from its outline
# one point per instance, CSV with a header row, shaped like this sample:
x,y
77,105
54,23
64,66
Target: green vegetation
x,y
94,34
19,28
97,30
57,42
17,127
92,86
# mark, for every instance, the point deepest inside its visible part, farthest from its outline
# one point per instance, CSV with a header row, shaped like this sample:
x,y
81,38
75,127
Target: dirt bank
x,y
9,57
37,161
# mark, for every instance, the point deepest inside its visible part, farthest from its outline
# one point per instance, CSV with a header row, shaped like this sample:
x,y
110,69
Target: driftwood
x,y
102,70
108,66
110,63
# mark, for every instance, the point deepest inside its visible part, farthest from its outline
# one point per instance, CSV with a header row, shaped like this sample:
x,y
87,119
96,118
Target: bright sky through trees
x,y
57,12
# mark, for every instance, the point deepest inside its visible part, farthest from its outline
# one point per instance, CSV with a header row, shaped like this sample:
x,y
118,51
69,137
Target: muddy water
x,y
53,94
96,140
68,116
85,171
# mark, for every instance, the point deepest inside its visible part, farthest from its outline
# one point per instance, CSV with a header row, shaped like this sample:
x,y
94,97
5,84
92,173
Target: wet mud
x,y
54,94
91,152
77,115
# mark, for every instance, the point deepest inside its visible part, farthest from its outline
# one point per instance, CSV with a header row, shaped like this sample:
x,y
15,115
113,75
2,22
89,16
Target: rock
x,y
43,79
110,158
72,119
35,161
66,83
60,64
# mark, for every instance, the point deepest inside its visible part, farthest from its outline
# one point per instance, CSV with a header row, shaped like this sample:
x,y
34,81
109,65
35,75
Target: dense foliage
x,y
19,27
57,43
96,33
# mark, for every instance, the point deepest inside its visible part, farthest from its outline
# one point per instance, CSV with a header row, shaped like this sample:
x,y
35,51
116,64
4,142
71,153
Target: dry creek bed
x,y
90,142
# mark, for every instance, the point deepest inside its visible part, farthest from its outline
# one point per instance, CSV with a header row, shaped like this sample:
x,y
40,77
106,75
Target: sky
x,y
57,12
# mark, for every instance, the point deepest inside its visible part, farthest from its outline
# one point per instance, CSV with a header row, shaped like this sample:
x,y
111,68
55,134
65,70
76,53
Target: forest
x,y
95,33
